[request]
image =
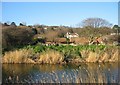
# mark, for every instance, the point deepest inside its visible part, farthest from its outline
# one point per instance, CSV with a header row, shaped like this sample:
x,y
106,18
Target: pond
x,y
68,73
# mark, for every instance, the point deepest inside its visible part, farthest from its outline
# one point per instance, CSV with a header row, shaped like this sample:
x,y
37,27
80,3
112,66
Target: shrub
x,y
14,37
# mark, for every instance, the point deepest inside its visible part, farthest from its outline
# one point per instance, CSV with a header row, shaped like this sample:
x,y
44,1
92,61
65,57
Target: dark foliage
x,y
14,37
13,24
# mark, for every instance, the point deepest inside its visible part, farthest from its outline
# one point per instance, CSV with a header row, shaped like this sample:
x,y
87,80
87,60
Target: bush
x,y
13,37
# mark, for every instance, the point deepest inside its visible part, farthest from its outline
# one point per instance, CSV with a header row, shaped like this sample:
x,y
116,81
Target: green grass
x,y
68,48
68,51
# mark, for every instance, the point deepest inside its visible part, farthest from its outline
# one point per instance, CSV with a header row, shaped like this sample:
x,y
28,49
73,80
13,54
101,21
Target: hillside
x,y
19,36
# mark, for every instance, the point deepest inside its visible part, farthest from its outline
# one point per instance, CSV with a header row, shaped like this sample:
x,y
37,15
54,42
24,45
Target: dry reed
x,y
51,57
18,56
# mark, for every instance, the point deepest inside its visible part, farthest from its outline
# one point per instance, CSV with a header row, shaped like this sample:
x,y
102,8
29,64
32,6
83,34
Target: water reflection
x,y
71,73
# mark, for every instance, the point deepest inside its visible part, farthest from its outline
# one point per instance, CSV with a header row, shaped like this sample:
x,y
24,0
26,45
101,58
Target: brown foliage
x,y
50,36
12,36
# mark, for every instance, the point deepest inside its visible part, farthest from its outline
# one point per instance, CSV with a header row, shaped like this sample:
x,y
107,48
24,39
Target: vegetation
x,y
62,54
19,56
18,36
96,22
13,37
22,41
51,57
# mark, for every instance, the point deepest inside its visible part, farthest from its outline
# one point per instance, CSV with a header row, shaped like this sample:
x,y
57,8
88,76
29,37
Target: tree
x,y
42,30
117,28
5,24
37,25
22,24
96,22
71,30
12,37
34,30
13,24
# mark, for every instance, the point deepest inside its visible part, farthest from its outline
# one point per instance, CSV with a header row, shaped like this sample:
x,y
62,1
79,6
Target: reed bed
x,y
62,54
50,57
109,54
18,56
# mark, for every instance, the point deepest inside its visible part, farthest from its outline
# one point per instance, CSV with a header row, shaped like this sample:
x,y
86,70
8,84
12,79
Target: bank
x,y
62,54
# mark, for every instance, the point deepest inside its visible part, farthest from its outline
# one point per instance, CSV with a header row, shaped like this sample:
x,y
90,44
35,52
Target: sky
x,y
60,0
58,13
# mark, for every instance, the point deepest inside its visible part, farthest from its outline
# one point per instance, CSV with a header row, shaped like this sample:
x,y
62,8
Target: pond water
x,y
69,73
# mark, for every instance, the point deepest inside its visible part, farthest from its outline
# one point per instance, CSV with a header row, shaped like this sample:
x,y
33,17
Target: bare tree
x,y
96,22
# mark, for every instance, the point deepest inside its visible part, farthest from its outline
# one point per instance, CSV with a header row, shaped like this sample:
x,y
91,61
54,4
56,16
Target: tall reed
x,y
18,56
51,57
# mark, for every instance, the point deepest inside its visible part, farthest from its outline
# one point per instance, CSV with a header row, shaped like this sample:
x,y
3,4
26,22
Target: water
x,y
71,73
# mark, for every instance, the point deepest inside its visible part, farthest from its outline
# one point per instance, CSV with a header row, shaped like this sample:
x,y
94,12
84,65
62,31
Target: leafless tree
x,y
96,22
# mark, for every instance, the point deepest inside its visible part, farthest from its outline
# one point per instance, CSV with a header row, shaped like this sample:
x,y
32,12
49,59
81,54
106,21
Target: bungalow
x,y
71,35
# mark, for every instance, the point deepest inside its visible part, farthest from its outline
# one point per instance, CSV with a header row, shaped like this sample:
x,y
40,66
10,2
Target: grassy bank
x,y
62,54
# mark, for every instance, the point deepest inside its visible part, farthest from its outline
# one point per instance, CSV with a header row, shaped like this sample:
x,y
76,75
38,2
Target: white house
x,y
71,35
45,28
